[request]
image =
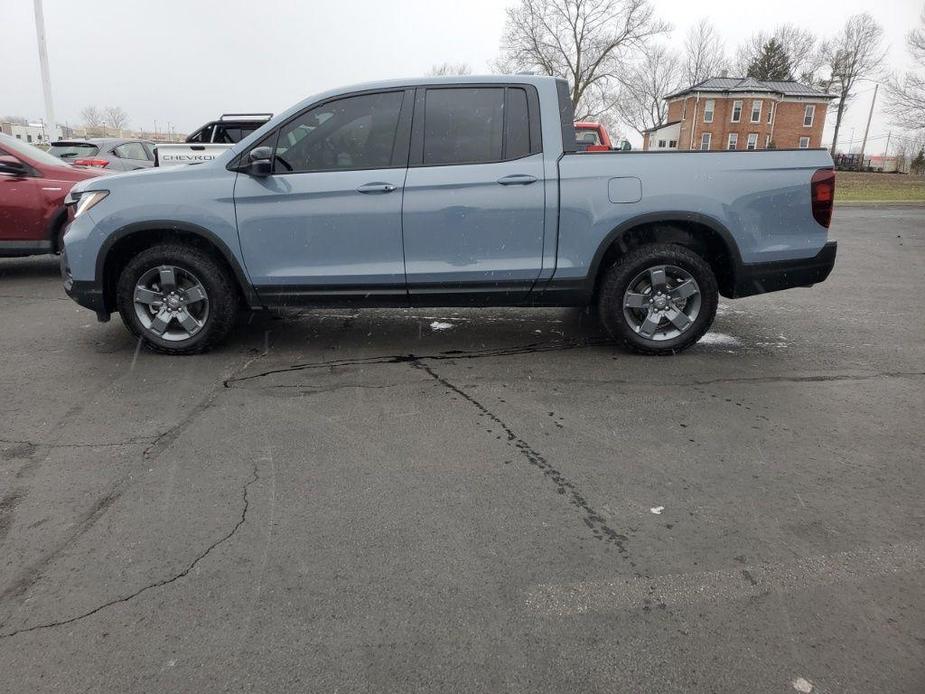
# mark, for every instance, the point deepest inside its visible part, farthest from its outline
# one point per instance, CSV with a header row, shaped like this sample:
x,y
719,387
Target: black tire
x,y
219,286
616,283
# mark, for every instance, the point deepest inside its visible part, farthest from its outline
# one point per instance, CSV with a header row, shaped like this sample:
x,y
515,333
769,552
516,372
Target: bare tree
x,y
906,93
801,46
854,54
587,42
704,53
92,118
449,69
115,118
642,101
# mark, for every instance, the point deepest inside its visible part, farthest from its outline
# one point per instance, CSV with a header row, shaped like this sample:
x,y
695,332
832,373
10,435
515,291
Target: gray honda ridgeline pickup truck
x,y
446,192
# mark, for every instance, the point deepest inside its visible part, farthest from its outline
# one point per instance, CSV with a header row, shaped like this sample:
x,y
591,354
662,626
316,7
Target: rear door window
x,y
516,124
131,150
463,125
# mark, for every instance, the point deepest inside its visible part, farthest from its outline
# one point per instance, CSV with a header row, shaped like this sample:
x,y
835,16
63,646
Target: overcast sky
x,y
186,62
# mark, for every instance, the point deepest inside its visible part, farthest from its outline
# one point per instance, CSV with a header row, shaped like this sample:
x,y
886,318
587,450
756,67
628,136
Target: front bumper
x,y
759,278
87,294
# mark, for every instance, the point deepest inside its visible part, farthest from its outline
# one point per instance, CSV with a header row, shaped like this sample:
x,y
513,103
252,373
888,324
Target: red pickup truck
x,y
33,185
592,137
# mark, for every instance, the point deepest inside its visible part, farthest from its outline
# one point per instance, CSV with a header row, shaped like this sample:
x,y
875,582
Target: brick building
x,y
742,113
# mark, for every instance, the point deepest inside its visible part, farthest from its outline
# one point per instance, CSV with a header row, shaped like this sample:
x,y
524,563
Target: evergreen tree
x,y
771,63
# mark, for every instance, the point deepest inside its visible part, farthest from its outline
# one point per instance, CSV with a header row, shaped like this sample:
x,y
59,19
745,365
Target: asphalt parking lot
x,y
472,500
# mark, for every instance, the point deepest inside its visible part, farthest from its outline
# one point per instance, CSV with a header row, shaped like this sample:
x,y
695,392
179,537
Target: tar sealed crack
x,y
564,486
404,358
157,584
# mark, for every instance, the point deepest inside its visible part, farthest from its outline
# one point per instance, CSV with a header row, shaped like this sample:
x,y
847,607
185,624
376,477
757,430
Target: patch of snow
x,y
440,325
720,339
802,685
657,510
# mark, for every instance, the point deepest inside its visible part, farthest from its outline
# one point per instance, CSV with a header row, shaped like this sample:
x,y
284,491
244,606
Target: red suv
x,y
32,189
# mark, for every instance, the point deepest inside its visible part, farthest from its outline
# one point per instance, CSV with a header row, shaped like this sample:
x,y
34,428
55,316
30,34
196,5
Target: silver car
x,y
114,154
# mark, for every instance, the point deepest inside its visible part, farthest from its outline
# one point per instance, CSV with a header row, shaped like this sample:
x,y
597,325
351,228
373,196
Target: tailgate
x,y
187,153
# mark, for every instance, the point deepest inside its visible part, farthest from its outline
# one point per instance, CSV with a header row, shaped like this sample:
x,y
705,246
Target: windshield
x,y
72,150
30,152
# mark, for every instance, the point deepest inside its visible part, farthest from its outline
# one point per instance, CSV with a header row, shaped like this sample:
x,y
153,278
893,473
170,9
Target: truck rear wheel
x,y
658,299
177,298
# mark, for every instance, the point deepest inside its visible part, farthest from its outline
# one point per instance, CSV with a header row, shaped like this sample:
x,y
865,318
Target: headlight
x,y
88,199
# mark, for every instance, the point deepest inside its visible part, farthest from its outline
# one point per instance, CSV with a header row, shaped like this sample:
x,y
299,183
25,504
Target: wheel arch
x,y
55,229
133,238
699,232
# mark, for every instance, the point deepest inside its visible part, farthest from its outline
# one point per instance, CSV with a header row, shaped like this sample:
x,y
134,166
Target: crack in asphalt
x,y
166,438
41,444
564,486
532,348
157,445
157,584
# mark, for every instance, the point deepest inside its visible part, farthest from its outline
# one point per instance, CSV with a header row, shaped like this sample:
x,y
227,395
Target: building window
x,y
708,107
756,111
705,141
767,141
28,138
770,112
733,141
752,142
804,143
736,111
661,144
672,144
809,115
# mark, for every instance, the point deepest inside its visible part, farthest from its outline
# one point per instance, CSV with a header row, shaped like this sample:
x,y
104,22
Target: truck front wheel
x,y
658,299
177,298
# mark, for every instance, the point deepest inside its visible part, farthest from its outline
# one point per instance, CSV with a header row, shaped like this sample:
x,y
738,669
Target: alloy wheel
x,y
171,303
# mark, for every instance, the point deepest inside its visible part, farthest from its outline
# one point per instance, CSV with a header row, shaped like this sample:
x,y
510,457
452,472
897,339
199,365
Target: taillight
x,y
99,163
823,195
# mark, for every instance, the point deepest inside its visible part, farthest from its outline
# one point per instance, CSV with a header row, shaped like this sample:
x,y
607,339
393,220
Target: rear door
x,y
474,202
325,226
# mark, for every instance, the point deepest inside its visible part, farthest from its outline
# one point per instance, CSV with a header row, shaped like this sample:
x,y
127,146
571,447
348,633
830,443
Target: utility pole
x,y
43,62
867,129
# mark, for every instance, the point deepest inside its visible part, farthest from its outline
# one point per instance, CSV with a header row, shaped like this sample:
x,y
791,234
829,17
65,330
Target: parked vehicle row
x,y
446,192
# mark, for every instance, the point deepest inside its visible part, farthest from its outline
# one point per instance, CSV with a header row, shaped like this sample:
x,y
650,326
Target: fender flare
x,y
667,217
247,289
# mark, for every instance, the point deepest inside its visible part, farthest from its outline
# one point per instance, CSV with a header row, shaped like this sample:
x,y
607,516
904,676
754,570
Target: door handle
x,y
517,180
377,188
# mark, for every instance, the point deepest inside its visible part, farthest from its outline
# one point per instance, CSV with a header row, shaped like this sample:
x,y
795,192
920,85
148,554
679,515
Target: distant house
x,y
742,113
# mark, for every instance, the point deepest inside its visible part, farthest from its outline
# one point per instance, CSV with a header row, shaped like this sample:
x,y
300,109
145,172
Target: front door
x,y
21,207
325,226
475,198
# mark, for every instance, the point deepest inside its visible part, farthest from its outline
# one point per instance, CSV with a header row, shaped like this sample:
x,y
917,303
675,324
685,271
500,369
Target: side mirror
x,y
12,165
259,162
